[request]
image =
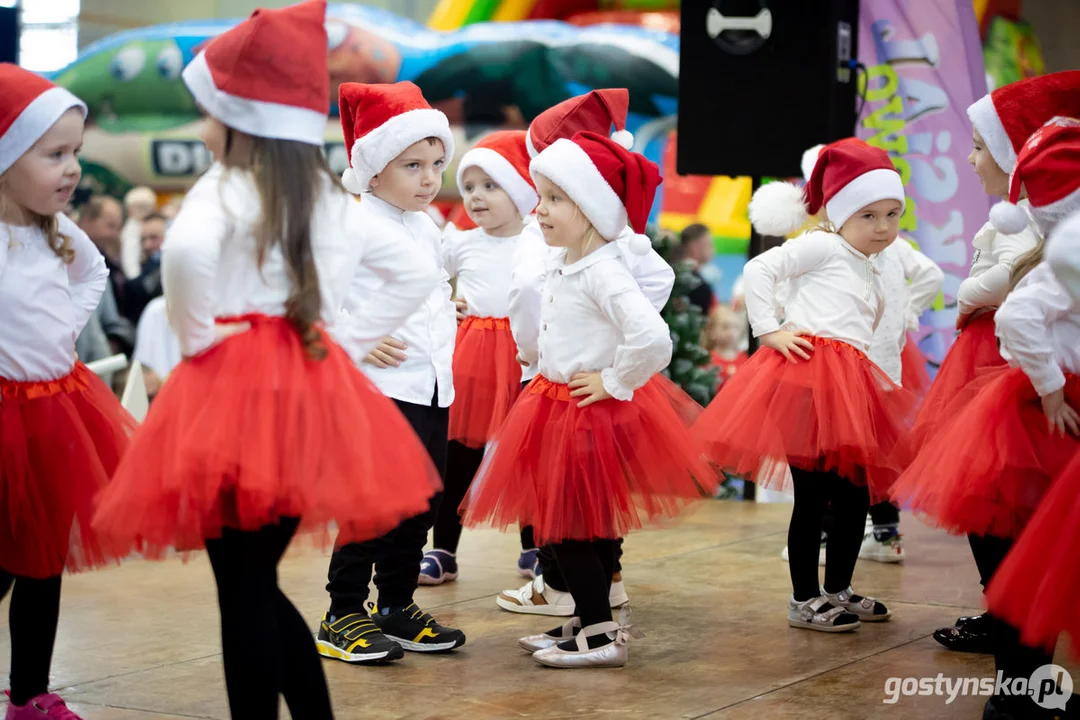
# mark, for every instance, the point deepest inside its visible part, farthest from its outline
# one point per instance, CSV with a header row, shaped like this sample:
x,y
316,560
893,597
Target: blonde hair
x,y
590,234
1026,263
59,243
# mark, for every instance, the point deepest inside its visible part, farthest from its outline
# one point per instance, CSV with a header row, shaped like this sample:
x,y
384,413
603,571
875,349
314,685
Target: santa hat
x,y
595,111
268,76
502,155
380,122
1006,117
30,106
1048,169
612,185
848,176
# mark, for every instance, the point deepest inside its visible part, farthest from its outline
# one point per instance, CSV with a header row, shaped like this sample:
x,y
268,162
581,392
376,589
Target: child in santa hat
x,y
267,427
596,445
811,398
596,111
498,195
398,148
63,430
986,471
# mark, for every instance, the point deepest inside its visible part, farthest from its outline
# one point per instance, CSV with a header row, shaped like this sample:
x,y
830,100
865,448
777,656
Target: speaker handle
x,y
716,23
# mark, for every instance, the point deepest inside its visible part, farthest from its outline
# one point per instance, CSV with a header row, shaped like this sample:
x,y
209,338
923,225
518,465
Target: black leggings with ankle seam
x,y
32,621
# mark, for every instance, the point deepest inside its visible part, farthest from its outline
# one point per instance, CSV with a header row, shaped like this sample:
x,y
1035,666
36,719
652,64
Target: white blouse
x,y
1063,255
430,330
209,267
482,264
653,275
988,281
45,303
156,345
1039,328
835,291
594,317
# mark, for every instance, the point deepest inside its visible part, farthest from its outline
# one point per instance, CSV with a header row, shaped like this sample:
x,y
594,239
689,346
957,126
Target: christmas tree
x,y
690,368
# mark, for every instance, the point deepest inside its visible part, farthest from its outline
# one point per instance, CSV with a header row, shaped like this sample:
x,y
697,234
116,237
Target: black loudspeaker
x,y
761,81
9,34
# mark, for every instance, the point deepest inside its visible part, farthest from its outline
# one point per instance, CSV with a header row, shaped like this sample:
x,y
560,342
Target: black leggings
x,y
266,646
32,619
462,462
587,566
553,577
814,491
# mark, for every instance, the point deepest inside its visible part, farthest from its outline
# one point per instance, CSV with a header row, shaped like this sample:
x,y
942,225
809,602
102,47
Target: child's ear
x,y
373,182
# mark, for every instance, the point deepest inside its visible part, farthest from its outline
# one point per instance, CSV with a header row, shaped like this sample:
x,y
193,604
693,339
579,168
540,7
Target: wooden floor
x,y
141,641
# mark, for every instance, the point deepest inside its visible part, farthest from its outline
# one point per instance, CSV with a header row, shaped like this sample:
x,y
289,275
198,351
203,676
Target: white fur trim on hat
x,y
778,209
506,175
809,160
1047,217
984,117
568,166
529,144
374,151
868,188
1008,219
33,122
254,117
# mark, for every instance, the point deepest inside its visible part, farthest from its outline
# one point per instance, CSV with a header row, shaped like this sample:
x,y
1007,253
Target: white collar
x,y
610,250
382,207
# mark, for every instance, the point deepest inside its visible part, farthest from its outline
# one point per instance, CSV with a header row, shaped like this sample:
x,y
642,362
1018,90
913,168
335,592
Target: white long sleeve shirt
x,y
988,281
45,303
652,274
1063,255
1039,328
428,332
595,318
835,291
156,345
210,270
481,263
910,281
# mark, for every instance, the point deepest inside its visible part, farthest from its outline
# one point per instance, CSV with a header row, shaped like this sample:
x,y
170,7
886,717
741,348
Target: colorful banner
x,y
924,69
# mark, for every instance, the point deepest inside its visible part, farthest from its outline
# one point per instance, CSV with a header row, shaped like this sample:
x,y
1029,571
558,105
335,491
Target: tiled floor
x,y
141,641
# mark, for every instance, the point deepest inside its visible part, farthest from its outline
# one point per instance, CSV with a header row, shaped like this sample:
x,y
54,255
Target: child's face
x,y
412,180
487,204
725,329
44,178
874,227
995,181
561,221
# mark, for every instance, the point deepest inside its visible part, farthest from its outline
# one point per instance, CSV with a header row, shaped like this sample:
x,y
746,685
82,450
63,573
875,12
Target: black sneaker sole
x,y
329,650
428,647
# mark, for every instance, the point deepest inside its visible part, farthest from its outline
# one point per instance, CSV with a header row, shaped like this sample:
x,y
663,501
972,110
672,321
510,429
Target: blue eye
x,y
439,163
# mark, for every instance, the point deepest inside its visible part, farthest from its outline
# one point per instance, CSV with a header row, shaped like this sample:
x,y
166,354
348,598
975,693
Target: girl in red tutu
x,y
986,471
596,446
268,427
811,399
498,194
62,431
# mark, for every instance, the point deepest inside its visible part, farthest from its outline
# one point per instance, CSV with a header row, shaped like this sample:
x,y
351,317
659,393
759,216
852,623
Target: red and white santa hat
x,y
503,156
268,76
612,185
29,107
595,111
1048,170
381,121
1006,117
847,176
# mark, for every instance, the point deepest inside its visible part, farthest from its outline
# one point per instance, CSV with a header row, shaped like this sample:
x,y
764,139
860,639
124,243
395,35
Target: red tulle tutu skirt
x,y
913,373
252,431
60,440
837,412
1035,589
975,350
487,379
985,472
594,472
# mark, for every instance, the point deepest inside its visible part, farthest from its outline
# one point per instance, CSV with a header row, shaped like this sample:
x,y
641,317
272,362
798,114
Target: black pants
x,y
814,491
32,620
885,514
462,462
587,566
395,556
267,648
552,571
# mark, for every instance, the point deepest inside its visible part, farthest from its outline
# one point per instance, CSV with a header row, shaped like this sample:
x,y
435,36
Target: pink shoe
x,y
48,705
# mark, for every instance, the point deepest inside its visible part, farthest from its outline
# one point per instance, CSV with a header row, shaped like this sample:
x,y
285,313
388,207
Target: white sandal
x,y
808,616
867,609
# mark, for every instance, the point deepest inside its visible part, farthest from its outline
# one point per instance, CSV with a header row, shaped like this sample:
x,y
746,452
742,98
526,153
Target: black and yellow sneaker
x,y
415,630
354,638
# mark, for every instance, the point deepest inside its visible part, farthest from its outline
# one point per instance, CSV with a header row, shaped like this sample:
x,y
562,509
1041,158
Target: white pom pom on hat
x,y
778,209
624,138
1008,218
640,244
351,182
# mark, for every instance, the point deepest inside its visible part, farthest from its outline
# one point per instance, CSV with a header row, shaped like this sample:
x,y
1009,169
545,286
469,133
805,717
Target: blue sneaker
x,y
438,567
526,566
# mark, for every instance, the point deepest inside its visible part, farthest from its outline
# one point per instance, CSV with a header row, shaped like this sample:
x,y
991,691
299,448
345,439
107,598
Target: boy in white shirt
x,y
398,148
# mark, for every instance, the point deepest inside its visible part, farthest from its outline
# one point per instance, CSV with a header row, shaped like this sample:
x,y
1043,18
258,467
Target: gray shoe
x,y
567,631
866,608
809,616
611,655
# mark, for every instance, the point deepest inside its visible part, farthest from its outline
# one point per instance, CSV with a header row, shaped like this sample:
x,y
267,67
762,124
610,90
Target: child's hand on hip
x,y
389,353
588,385
462,308
1060,417
787,343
